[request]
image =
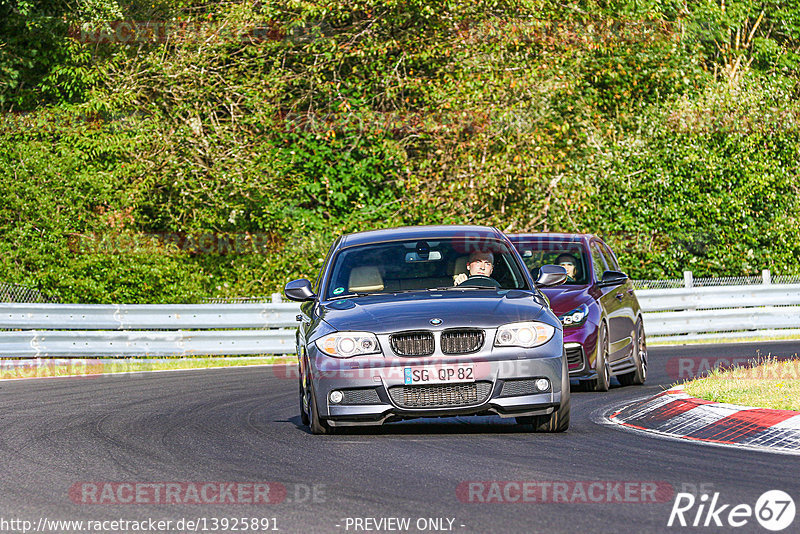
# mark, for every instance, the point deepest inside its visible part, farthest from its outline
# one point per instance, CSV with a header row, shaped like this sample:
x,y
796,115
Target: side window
x,y
598,263
611,261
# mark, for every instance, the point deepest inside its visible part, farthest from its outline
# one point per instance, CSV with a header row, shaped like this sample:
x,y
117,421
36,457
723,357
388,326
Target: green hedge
x,y
282,125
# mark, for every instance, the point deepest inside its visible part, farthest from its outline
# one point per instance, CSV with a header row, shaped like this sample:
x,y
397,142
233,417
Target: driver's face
x,y
569,266
481,265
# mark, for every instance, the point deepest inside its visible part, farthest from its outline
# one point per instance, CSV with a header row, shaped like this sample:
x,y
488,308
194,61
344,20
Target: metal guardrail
x,y
93,330
146,343
99,330
721,320
147,316
688,280
710,298
721,311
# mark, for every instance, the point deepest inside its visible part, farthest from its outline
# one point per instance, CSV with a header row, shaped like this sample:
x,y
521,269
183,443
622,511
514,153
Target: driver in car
x,y
568,262
480,264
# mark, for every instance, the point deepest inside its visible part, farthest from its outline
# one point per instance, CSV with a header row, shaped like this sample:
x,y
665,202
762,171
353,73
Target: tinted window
x,y
415,265
538,252
611,261
598,263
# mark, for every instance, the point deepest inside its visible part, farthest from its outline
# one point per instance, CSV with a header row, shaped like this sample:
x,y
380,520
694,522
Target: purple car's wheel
x,y
601,366
638,376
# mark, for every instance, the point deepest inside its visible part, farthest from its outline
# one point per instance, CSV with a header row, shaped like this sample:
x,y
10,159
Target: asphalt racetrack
x,y
107,449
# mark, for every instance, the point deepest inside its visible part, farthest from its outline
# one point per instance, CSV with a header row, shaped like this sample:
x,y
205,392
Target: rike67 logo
x,y
774,510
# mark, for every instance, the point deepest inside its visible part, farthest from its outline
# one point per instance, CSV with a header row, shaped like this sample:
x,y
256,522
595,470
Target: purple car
x,y
603,329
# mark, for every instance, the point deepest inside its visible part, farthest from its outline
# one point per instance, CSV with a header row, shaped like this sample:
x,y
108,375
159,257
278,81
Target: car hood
x,y
567,298
383,314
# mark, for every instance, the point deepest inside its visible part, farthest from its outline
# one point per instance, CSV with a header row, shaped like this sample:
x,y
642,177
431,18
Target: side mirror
x,y
299,290
551,275
612,278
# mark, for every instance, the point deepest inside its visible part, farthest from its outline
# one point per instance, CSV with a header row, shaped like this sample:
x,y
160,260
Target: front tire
x,y
558,421
601,366
303,402
317,425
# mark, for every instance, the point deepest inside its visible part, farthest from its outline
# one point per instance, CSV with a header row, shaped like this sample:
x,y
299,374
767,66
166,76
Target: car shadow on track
x,y
430,426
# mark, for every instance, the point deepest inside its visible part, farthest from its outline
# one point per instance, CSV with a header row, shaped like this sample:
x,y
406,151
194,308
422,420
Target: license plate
x,y
440,374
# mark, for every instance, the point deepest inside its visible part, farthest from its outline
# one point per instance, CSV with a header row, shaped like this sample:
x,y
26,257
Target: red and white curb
x,y
674,413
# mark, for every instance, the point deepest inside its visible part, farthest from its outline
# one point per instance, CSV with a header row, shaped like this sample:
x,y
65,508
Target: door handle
x,y
630,291
619,296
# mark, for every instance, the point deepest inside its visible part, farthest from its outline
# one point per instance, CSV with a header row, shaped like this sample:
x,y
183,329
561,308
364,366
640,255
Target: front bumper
x,y
580,344
375,391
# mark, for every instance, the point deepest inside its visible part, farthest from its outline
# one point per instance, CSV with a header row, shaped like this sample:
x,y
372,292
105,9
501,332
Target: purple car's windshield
x,y
570,255
421,265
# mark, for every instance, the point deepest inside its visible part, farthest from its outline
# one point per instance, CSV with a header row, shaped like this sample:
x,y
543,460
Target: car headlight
x,y
524,334
348,344
575,317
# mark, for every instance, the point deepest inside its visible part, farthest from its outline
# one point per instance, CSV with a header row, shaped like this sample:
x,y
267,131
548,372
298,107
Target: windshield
x,y
424,264
570,255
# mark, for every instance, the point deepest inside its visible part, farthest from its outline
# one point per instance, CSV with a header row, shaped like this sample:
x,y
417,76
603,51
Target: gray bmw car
x,y
430,321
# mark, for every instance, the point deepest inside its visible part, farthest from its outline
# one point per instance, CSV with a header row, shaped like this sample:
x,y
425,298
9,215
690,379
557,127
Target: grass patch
x,y
769,383
39,368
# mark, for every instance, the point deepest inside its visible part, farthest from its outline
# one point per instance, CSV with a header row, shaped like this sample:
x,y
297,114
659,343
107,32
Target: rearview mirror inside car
x,y
416,257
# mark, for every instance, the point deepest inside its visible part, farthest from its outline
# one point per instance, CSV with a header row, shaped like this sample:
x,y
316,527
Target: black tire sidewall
x,y
640,375
303,413
601,362
317,425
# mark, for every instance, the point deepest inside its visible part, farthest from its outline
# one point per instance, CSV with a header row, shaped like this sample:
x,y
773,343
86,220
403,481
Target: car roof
x,y
551,236
421,232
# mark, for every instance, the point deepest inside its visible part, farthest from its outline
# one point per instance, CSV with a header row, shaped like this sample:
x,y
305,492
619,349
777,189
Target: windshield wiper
x,y
480,287
461,288
351,295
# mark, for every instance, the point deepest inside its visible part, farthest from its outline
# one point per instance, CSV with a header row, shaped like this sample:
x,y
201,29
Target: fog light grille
x,y
360,396
575,359
521,387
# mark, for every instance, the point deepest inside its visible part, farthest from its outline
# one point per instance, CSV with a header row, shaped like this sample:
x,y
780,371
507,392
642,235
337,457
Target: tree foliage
x,y
130,130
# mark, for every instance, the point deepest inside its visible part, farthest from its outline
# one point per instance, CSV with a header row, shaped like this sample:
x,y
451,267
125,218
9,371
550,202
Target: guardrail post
x,y
688,282
766,276
276,298
688,279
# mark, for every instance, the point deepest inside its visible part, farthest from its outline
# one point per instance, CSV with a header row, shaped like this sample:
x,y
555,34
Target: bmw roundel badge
x,y
436,322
